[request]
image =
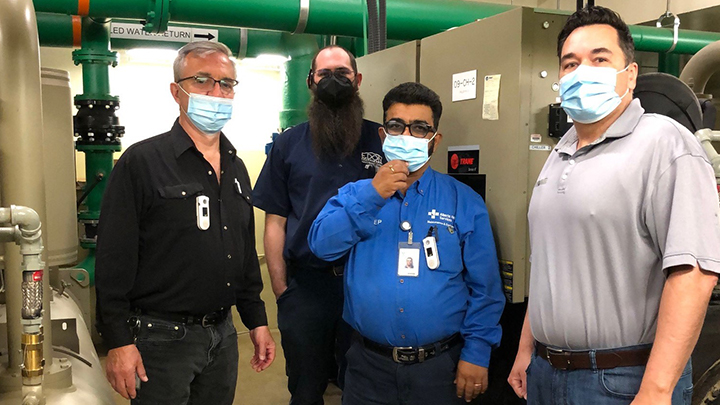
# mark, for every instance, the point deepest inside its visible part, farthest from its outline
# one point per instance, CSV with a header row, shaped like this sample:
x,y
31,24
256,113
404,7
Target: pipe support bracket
x,y
303,17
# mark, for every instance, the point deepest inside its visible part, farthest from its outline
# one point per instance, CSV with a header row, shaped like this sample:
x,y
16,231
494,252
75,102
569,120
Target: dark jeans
x,y
616,386
374,379
314,336
187,365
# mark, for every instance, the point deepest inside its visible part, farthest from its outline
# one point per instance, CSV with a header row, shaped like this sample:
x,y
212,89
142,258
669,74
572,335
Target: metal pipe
x,y
407,19
21,166
652,39
669,63
701,67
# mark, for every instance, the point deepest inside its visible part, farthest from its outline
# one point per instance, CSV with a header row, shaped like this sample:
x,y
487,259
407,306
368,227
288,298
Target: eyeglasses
x,y
323,73
417,129
207,84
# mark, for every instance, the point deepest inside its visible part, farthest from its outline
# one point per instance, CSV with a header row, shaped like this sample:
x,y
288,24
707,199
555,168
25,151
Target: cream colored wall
x,y
142,81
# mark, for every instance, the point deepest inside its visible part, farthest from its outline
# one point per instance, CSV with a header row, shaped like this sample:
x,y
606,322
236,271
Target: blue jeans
x,y
547,385
187,364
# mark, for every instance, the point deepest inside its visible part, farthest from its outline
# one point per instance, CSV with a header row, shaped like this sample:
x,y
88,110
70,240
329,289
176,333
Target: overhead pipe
x,y
25,227
701,67
407,19
21,166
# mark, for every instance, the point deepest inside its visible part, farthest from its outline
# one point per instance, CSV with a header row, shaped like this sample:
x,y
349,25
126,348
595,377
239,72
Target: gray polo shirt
x,y
607,220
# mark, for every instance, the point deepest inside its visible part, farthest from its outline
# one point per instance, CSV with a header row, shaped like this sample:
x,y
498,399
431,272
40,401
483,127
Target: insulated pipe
x,y
21,166
407,19
701,67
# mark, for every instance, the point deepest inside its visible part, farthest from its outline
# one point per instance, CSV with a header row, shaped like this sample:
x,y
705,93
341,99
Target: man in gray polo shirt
x,y
624,235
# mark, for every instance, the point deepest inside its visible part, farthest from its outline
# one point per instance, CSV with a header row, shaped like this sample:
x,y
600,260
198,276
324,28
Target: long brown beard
x,y
335,131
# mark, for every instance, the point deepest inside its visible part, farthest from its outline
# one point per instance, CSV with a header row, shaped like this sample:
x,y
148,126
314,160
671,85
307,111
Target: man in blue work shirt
x,y
425,331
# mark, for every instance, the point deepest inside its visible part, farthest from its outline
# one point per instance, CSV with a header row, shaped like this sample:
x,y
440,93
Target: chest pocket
x,y
177,205
449,251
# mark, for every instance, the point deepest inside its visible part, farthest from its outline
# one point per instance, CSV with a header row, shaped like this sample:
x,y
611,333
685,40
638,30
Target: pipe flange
x,y
109,58
158,16
303,17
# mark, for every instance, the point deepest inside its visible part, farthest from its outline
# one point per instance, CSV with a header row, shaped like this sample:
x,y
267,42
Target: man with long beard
x,y
306,166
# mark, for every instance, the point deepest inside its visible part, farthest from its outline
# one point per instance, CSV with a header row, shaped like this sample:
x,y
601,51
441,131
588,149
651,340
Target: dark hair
x,y
592,15
353,63
413,93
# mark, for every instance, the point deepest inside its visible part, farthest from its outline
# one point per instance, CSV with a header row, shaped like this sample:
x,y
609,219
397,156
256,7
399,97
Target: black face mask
x,y
335,91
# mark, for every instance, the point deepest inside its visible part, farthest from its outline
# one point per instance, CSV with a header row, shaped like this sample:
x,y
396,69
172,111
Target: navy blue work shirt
x,y
464,294
296,184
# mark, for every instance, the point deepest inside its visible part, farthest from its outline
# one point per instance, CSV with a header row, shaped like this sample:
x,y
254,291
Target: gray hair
x,y
200,48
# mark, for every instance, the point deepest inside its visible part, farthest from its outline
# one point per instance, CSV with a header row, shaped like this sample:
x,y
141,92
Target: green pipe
x,y
295,92
651,39
669,63
407,19
95,57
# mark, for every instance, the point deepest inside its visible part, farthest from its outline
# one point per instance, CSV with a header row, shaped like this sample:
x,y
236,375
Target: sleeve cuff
x,y
116,335
253,317
369,198
476,352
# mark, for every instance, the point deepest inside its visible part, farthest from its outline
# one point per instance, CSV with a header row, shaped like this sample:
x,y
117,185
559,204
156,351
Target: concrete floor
x,y
270,386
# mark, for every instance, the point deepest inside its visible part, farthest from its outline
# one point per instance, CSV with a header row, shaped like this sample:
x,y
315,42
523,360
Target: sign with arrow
x,y
173,34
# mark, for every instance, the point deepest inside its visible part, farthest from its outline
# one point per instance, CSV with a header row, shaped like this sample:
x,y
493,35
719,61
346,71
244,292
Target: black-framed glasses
x,y
323,73
418,129
207,83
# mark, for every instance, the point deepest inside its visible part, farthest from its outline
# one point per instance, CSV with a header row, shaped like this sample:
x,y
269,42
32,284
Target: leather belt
x,y
205,320
295,268
604,359
411,355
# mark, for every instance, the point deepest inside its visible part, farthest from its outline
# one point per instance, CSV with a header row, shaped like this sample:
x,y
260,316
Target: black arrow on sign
x,y
209,36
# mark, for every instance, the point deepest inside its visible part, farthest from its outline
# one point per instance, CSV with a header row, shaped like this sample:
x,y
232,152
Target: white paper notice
x,y
464,86
490,98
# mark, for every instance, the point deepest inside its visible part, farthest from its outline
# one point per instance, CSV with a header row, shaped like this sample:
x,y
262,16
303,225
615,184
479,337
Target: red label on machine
x,y
37,276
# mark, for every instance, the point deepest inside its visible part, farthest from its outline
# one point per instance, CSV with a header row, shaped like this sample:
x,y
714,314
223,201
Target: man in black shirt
x,y
305,167
176,250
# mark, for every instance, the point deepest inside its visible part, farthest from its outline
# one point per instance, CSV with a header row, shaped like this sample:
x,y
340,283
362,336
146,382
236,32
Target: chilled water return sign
x,y
173,34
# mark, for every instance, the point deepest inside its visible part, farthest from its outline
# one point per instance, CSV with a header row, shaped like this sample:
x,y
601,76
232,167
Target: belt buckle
x,y
395,353
560,353
205,321
335,271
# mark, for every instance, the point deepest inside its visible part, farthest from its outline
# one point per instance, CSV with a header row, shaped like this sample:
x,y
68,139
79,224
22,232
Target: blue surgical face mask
x,y
413,150
209,114
588,93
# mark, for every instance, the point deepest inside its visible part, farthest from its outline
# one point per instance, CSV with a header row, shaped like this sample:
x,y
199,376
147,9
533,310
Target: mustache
x,y
336,131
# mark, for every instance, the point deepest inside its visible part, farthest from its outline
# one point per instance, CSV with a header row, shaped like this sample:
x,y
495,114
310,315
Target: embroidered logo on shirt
x,y
440,218
371,159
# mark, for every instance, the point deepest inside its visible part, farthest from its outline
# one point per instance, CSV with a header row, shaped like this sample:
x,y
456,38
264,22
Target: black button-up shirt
x,y
151,253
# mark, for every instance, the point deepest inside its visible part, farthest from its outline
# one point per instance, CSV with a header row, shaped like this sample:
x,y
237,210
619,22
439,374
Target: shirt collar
x,y
623,126
181,142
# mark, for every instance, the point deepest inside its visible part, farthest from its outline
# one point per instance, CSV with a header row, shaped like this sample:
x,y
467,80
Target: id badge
x,y
409,259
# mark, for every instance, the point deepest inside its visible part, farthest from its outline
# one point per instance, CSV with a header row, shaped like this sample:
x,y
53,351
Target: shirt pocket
x,y
177,208
449,251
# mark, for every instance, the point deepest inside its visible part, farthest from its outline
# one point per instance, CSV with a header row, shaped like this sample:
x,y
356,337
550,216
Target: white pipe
x,y
706,136
701,67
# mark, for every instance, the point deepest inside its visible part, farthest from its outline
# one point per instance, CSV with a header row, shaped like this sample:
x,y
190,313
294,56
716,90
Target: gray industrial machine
x,y
509,127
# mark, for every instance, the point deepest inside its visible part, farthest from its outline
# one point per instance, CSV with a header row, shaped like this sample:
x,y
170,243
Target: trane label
x,y
173,34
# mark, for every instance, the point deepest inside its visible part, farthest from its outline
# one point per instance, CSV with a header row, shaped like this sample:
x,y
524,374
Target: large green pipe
x,y
651,39
406,19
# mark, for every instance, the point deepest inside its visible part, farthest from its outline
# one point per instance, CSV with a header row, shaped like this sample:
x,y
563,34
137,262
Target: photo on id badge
x,y
408,261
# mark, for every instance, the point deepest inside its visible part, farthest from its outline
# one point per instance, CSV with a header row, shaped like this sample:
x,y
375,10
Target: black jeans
x,y
374,379
314,336
187,365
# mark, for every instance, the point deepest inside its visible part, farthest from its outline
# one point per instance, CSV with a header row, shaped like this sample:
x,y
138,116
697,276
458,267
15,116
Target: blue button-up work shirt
x,y
463,295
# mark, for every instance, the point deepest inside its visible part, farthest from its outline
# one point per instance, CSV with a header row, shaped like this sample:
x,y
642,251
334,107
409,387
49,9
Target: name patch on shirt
x,y
371,159
440,218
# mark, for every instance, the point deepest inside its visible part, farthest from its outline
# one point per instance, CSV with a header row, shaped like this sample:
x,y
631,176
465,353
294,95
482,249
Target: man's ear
x,y
435,142
175,91
382,134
